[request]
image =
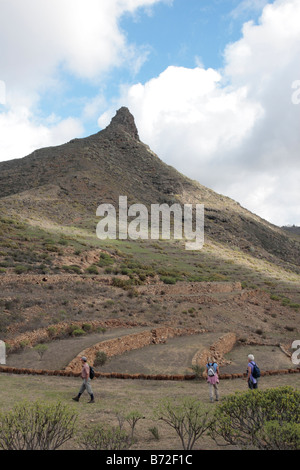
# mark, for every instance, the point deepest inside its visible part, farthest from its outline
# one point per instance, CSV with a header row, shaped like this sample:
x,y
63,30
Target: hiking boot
x,y
91,400
75,398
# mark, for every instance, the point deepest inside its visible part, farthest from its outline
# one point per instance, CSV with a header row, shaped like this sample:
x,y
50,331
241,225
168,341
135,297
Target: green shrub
x,y
100,359
108,270
51,331
274,297
198,370
52,248
244,419
78,332
63,242
105,260
72,269
278,436
132,418
105,438
21,269
101,329
36,426
124,283
154,432
188,418
87,327
92,269
168,280
41,349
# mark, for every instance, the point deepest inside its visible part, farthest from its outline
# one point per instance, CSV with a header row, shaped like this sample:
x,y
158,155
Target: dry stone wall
x,y
222,346
31,338
190,288
114,375
118,346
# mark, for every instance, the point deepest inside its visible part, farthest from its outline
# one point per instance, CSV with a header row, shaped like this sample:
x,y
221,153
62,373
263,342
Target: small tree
x,y
41,349
132,418
198,371
188,418
100,359
259,419
36,426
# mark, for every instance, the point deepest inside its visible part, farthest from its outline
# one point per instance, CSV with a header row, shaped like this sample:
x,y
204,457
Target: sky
x,y
214,86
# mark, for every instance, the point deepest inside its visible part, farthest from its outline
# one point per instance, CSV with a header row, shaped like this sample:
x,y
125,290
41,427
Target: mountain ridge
x,y
66,183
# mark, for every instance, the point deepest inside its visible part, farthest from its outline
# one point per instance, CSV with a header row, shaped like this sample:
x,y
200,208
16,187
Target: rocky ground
x,y
261,324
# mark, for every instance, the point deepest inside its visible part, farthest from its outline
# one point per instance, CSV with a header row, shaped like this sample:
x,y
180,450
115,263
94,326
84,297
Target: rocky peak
x,y
125,119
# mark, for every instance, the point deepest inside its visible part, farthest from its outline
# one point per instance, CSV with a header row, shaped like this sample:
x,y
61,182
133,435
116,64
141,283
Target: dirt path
x,y
173,357
268,358
60,352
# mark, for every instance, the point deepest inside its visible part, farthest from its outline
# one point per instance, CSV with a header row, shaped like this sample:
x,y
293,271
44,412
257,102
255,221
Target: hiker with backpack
x,y
86,376
212,370
253,373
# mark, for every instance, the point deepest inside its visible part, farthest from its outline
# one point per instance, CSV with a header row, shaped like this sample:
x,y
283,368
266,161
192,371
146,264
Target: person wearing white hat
x,y
252,381
86,385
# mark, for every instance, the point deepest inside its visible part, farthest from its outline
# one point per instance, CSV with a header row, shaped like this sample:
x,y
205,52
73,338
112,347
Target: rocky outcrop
x,y
125,120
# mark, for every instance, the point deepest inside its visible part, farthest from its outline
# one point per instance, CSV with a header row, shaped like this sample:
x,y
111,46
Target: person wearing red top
x,y
86,385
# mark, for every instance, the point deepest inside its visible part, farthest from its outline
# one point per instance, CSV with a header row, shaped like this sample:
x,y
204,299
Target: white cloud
x,y
21,135
42,39
235,130
245,6
84,37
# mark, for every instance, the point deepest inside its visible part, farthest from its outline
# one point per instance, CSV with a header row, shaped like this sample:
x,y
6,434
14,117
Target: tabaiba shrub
x,y
258,419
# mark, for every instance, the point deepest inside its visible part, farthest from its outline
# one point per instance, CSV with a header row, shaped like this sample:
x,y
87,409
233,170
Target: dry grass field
x,y
113,395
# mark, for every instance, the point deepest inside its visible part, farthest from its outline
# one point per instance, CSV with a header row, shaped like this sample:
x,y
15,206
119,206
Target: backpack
x,y
255,371
92,373
211,371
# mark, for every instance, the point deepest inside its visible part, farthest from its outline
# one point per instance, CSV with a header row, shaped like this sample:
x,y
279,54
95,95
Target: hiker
x,y
85,374
252,381
213,379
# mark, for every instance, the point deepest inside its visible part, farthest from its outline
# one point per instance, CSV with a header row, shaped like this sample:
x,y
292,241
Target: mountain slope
x,y
65,185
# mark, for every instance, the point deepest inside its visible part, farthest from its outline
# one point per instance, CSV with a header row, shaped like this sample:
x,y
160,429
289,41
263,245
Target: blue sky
x,y
209,82
180,32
